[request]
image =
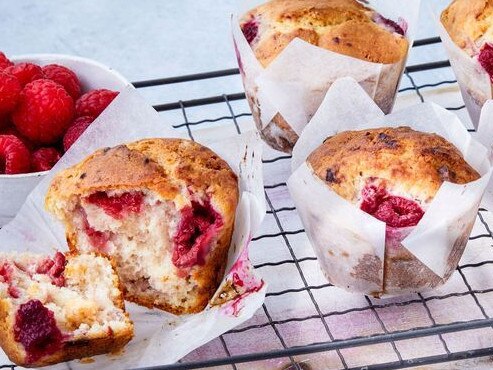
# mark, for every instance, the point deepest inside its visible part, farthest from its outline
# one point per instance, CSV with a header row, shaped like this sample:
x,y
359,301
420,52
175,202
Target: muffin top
x,y
400,166
469,23
343,26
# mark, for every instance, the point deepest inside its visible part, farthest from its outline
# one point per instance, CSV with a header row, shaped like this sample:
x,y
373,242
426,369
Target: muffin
x,y
60,308
163,209
469,24
345,27
392,174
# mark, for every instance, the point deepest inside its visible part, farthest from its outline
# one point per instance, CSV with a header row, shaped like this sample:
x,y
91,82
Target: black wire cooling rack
x,y
379,333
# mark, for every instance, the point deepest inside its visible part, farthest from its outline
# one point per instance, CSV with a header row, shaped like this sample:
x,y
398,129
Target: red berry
x,y
65,77
78,127
11,130
485,58
10,89
117,206
14,155
395,211
197,228
44,112
36,329
44,159
250,30
25,72
94,102
4,61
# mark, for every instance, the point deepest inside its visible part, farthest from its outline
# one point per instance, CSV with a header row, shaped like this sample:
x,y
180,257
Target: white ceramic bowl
x,y
14,189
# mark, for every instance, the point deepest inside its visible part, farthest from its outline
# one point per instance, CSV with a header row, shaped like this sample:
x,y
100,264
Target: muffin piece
x,y
393,174
59,309
343,26
163,209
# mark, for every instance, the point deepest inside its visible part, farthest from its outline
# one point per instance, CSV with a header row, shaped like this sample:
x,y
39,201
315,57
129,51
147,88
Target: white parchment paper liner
x,y
474,82
349,243
295,83
160,338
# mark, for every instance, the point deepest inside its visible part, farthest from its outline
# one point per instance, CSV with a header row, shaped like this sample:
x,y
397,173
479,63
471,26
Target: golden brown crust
x,y
469,23
342,26
169,168
415,162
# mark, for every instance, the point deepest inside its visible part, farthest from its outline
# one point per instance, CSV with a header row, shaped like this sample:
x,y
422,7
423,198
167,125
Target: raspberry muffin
x,y
469,23
343,26
393,174
163,209
55,309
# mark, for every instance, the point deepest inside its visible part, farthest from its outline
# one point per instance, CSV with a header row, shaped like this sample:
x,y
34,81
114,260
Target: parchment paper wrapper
x,y
284,96
160,338
353,248
474,82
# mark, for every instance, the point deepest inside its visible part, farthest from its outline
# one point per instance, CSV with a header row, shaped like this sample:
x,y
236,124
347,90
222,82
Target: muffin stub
x,y
163,209
60,308
345,27
393,174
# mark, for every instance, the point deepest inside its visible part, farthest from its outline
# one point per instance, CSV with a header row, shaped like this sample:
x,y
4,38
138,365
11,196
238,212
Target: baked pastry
x,y
469,23
392,174
342,26
59,309
163,209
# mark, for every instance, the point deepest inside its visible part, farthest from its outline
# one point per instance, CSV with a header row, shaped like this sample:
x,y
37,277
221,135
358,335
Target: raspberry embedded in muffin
x,y
198,226
118,205
250,30
36,329
485,58
395,211
400,28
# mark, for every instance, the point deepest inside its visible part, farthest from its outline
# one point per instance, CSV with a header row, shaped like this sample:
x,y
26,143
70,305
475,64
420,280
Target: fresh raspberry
x,y
11,130
14,155
485,58
65,77
118,205
4,61
44,159
250,30
44,112
36,329
10,90
25,72
73,133
94,102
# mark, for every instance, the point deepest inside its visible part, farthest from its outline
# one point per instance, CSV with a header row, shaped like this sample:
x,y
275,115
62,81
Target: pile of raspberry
x,y
42,113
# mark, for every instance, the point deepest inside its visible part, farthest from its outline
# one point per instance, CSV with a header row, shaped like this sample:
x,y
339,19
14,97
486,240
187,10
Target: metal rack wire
x,y
263,341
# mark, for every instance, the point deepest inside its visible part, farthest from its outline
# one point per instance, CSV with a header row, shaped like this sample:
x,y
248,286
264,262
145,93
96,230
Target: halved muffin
x,y
163,209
